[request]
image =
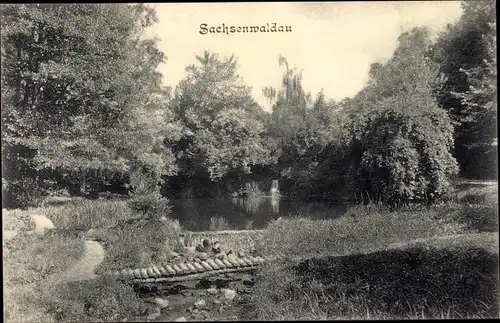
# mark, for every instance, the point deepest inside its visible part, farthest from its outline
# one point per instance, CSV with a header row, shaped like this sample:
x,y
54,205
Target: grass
x,y
99,300
30,261
138,244
78,214
360,230
375,263
423,281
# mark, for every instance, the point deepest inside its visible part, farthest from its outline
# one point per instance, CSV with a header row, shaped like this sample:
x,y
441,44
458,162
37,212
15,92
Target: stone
x,y
195,311
212,264
153,316
42,223
198,317
212,291
217,302
161,302
229,294
181,319
200,304
206,266
202,255
206,314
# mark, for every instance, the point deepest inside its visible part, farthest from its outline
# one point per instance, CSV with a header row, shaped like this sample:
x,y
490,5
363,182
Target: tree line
x,y
84,110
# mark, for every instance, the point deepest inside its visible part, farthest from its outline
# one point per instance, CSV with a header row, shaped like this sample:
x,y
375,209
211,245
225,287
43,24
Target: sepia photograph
x,y
249,161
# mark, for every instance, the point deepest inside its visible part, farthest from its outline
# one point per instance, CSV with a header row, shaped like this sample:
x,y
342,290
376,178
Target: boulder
x,y
42,223
212,291
200,304
161,302
229,294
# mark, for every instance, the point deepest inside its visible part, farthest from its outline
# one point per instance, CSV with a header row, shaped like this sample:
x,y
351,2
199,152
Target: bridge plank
x,y
213,264
220,263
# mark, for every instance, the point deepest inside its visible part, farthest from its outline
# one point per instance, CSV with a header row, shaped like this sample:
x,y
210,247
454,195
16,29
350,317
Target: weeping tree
x,y
308,134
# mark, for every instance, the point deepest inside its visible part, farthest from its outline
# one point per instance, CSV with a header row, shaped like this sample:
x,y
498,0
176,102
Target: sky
x,y
333,43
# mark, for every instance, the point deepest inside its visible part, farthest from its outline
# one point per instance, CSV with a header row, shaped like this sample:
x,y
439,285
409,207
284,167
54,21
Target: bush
x,y
405,155
146,198
23,192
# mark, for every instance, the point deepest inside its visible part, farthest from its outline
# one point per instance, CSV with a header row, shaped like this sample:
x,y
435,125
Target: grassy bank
x,y
30,261
436,280
375,263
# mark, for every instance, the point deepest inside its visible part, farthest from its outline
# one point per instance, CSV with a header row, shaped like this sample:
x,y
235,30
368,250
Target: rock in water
x,y
200,304
161,302
229,294
153,316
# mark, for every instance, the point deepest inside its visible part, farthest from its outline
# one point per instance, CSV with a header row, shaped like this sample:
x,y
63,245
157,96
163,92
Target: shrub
x,y
146,198
23,192
404,154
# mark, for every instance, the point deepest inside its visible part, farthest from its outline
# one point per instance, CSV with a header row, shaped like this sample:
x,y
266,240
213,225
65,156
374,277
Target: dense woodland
x,y
84,111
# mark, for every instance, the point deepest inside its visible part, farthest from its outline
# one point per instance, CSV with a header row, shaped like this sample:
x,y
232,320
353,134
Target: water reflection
x,y
246,213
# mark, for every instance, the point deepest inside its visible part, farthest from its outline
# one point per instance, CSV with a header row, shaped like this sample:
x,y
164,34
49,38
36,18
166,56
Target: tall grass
x,y
252,190
361,229
28,264
138,244
87,214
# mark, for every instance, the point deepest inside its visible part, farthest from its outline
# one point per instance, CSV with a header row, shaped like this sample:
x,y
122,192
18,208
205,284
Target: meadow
x,y
415,262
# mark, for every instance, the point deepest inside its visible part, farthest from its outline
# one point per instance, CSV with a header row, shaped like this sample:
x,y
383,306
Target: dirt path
x,y
84,268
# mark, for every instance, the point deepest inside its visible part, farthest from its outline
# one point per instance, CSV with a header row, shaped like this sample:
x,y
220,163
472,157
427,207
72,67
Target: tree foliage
x,y
402,136
466,52
75,81
219,122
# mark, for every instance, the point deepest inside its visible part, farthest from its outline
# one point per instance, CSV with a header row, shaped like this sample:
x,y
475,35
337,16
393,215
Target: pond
x,y
245,214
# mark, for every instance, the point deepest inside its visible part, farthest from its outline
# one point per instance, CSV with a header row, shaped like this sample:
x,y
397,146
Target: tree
x,y
74,79
402,137
466,52
218,121
290,104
